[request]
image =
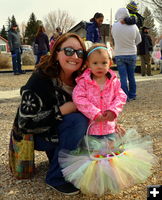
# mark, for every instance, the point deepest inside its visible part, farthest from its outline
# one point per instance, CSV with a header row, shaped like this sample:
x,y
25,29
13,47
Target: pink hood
x,y
91,100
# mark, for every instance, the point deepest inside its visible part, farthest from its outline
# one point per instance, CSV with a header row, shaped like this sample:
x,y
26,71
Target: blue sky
x,y
78,9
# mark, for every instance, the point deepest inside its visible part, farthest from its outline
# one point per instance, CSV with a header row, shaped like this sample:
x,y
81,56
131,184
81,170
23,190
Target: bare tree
x,y
22,28
156,6
56,19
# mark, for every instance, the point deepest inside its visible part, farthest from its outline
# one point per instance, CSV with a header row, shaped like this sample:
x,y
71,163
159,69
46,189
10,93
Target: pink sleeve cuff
x,y
97,115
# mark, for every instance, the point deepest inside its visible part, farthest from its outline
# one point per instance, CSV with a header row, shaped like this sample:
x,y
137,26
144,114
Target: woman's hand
x,y
68,108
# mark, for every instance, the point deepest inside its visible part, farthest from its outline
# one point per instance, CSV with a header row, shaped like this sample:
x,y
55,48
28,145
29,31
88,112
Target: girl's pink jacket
x,y
91,100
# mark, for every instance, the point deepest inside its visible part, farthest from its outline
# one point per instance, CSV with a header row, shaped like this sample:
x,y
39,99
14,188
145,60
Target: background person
x,y
53,39
160,42
43,43
93,28
58,30
145,49
47,113
135,17
15,48
126,37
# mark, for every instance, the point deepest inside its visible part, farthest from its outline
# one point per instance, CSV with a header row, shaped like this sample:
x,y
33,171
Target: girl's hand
x,y
68,108
109,116
100,118
120,129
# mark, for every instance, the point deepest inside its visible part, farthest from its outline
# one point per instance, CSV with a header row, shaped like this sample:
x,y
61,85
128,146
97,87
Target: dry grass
x,y
28,58
144,114
5,61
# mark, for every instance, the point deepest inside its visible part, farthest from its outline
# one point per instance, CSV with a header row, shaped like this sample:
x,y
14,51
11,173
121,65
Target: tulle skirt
x,y
98,170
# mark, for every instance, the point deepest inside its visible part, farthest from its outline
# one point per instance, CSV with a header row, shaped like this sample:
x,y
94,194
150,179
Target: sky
x,y
78,9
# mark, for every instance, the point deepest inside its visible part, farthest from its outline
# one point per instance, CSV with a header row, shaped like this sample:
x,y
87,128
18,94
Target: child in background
x,y
135,17
98,94
53,40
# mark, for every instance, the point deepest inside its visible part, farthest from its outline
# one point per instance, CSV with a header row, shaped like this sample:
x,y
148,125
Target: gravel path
x,y
144,114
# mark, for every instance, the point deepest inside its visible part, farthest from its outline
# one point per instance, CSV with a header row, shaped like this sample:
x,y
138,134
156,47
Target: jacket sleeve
x,y
82,103
150,46
36,40
138,36
119,98
47,43
38,112
90,33
130,20
10,41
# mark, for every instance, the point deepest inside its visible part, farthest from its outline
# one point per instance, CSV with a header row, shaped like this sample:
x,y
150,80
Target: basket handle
x,y
87,143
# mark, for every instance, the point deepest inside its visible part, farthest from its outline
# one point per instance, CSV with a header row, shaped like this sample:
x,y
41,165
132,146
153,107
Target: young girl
x,y
93,167
98,94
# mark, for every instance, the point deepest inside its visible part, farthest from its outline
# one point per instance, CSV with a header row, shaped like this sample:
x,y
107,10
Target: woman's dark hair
x,y
96,16
41,29
49,64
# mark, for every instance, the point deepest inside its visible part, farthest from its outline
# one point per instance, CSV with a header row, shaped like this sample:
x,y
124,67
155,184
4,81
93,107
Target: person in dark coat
x,y
15,48
93,28
43,43
47,115
144,50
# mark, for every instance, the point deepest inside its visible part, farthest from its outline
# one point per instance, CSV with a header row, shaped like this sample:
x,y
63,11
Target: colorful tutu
x,y
95,169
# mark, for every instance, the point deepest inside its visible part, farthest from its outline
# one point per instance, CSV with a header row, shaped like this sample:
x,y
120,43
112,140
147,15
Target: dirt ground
x,y
143,114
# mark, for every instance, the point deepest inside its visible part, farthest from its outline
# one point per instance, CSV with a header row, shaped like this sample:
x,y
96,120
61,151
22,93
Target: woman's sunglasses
x,y
70,51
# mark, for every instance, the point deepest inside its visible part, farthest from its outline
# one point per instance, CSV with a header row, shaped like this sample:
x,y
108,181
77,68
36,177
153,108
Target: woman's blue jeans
x,y
71,130
40,54
126,67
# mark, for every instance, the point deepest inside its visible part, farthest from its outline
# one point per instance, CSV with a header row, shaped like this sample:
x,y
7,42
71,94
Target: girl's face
x,y
70,64
99,20
99,63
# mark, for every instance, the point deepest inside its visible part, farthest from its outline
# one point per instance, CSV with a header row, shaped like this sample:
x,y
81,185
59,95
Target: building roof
x,y
78,26
3,39
105,28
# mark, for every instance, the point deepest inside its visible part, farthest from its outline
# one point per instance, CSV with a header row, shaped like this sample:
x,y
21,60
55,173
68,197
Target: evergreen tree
x,y
31,29
4,33
149,22
13,20
9,24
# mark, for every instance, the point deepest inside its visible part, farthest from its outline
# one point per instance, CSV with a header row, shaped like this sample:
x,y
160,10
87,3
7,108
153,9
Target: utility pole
x,y
110,26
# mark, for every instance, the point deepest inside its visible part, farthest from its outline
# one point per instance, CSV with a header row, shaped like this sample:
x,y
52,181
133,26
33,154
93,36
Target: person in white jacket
x,y
126,38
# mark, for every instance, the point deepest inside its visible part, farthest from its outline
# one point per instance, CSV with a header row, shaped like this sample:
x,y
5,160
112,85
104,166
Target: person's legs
x,y
40,53
38,58
143,65
148,63
14,62
131,64
41,144
121,65
70,130
18,56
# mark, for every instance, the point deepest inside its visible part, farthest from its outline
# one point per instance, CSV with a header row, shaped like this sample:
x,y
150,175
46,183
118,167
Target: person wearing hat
x,y
15,48
135,17
144,50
